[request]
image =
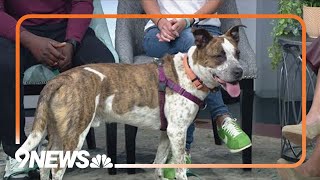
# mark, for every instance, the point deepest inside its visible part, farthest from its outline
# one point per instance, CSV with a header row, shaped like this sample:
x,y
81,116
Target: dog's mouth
x,y
233,88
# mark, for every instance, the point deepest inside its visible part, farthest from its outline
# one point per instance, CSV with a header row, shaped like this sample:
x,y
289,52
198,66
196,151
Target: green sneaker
x,y
233,136
170,173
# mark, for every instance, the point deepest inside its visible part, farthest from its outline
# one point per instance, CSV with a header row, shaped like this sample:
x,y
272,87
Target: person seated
x,y
310,169
56,43
170,36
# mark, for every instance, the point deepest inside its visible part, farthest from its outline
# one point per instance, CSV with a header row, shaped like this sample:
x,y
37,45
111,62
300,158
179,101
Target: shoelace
x,y
231,128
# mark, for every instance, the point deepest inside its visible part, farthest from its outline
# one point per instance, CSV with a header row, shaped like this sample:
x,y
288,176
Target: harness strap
x,y
162,98
163,83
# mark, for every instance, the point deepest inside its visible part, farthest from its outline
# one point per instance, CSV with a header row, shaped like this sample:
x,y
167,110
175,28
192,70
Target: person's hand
x,y
179,26
67,52
166,32
45,50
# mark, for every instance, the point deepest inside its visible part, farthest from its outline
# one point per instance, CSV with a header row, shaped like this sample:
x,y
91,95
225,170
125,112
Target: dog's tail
x,y
42,114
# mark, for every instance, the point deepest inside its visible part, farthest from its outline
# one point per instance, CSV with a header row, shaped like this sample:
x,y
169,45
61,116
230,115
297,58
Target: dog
x,y
84,96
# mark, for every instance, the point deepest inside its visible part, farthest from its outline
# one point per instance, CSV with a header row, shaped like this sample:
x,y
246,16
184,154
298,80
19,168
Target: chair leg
x,y
111,129
91,141
217,139
131,132
246,108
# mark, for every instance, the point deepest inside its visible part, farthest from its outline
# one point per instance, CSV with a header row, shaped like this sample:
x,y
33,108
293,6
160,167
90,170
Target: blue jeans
x,y
154,48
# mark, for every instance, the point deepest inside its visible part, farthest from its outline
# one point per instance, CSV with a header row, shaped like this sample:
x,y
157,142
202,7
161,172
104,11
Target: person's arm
x,y
165,26
76,28
151,7
8,28
40,47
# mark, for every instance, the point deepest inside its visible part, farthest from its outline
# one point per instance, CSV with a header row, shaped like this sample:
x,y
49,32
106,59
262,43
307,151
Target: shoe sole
x,y
241,149
295,138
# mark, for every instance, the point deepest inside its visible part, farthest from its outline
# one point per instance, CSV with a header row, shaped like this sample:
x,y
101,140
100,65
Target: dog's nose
x,y
237,72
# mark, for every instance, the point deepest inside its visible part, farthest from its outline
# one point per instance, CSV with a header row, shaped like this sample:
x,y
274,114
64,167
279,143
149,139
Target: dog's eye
x,y
220,57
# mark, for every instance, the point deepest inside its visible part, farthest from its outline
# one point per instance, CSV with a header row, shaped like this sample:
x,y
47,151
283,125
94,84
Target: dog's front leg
x,y
177,137
162,153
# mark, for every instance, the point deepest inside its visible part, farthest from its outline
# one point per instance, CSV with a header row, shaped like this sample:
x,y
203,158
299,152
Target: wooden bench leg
x,y
131,132
111,129
91,141
217,139
246,108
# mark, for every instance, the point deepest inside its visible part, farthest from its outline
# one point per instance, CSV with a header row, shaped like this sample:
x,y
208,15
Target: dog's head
x,y
217,59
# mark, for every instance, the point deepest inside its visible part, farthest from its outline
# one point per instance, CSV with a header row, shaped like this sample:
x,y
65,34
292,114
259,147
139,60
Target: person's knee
x,y
105,56
154,48
157,51
92,50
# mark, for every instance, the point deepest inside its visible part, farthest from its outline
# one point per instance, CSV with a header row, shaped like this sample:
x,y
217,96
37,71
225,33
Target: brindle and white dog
x,y
80,98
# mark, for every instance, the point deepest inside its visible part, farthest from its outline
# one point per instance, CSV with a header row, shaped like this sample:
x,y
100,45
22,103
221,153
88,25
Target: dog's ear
x,y
233,32
202,37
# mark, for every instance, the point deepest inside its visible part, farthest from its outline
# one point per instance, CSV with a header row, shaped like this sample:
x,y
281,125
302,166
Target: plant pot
x,y
311,18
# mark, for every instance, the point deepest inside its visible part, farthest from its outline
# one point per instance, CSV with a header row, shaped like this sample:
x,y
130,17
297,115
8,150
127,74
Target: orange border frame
x,y
252,16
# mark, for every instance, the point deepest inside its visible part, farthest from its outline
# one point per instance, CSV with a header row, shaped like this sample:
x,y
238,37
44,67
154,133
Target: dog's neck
x,y
184,80
200,71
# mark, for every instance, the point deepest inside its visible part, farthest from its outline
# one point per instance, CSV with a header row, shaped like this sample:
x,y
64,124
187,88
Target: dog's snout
x,y
237,72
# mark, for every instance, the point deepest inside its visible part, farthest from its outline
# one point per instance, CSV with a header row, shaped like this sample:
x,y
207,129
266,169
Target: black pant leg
x,y
92,50
7,103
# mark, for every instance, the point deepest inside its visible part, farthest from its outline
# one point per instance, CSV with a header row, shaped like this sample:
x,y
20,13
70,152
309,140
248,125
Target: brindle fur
x,y
70,103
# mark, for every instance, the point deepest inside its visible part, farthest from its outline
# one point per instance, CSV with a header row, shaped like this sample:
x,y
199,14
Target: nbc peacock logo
x,y
55,159
101,161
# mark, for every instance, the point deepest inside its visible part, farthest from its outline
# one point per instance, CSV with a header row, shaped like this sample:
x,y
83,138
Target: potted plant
x,y
311,14
283,27
292,27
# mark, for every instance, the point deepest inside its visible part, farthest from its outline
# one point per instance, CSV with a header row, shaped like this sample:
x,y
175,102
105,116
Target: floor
x,y
204,151
266,148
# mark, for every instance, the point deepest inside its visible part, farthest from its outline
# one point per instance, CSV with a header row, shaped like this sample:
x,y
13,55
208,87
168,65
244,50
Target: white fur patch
x,y
180,111
143,117
32,141
102,76
229,49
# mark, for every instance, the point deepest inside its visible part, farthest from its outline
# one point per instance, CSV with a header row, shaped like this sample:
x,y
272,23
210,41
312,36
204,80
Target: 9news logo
x,y
53,159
